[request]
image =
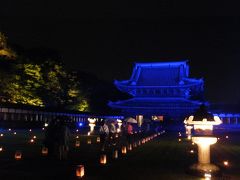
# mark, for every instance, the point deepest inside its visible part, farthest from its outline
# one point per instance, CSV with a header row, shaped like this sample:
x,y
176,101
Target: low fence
x,y
229,118
15,117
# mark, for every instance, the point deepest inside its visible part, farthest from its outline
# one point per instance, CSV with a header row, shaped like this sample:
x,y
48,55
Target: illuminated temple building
x,y
160,89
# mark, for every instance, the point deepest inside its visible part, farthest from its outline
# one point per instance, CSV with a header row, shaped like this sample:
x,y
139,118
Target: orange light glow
x,y
225,163
80,171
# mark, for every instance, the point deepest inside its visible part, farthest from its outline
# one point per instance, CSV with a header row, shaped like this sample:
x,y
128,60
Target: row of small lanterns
x,y
103,157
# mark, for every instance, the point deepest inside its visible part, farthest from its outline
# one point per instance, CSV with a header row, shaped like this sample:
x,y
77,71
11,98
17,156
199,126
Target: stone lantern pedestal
x,y
204,164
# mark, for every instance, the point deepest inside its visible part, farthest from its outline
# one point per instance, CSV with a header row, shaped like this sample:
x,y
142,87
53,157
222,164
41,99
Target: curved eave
x,y
120,104
127,107
123,85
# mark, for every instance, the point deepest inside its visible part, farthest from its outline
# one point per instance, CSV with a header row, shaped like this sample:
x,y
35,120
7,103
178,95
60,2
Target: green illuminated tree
x,y
38,81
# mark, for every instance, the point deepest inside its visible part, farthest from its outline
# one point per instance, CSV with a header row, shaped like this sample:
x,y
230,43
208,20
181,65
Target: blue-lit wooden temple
x,y
160,89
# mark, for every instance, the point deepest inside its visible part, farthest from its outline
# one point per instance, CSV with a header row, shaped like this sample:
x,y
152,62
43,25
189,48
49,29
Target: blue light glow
x,y
80,124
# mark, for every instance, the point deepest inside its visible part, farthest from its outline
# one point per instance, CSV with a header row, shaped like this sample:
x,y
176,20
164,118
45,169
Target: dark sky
x,y
106,39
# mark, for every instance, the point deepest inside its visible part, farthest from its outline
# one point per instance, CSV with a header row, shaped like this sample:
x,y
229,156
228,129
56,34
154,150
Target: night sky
x,y
106,39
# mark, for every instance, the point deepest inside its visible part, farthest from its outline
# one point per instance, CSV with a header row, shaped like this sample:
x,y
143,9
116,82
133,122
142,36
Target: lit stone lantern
x,y
103,159
119,122
18,155
44,151
80,171
92,124
203,123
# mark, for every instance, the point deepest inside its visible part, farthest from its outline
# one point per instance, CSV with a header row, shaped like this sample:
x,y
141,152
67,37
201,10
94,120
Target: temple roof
x,y
159,74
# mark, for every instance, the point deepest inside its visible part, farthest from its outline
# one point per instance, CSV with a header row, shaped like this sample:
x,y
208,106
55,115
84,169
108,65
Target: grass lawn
x,y
161,158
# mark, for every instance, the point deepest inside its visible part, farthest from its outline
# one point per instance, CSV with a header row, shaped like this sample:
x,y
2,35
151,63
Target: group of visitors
x,y
58,135
108,133
57,138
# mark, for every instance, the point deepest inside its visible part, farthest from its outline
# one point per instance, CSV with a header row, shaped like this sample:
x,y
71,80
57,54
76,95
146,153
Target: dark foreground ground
x,y
164,157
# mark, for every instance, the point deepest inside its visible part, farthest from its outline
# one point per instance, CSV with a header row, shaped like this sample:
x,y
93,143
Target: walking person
x,y
104,133
129,132
63,136
50,138
112,133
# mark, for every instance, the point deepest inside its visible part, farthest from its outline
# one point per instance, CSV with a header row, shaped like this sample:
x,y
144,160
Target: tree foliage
x,y
4,49
42,83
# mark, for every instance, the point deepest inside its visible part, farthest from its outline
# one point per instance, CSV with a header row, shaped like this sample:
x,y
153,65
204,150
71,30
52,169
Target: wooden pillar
x,y
229,120
4,116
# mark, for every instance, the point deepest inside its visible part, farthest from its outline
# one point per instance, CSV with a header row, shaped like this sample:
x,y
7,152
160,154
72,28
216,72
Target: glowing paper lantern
x,y
98,139
18,155
103,159
34,137
1,135
77,143
89,141
134,144
44,151
1,149
124,150
80,171
130,147
14,133
179,140
31,140
115,154
225,163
